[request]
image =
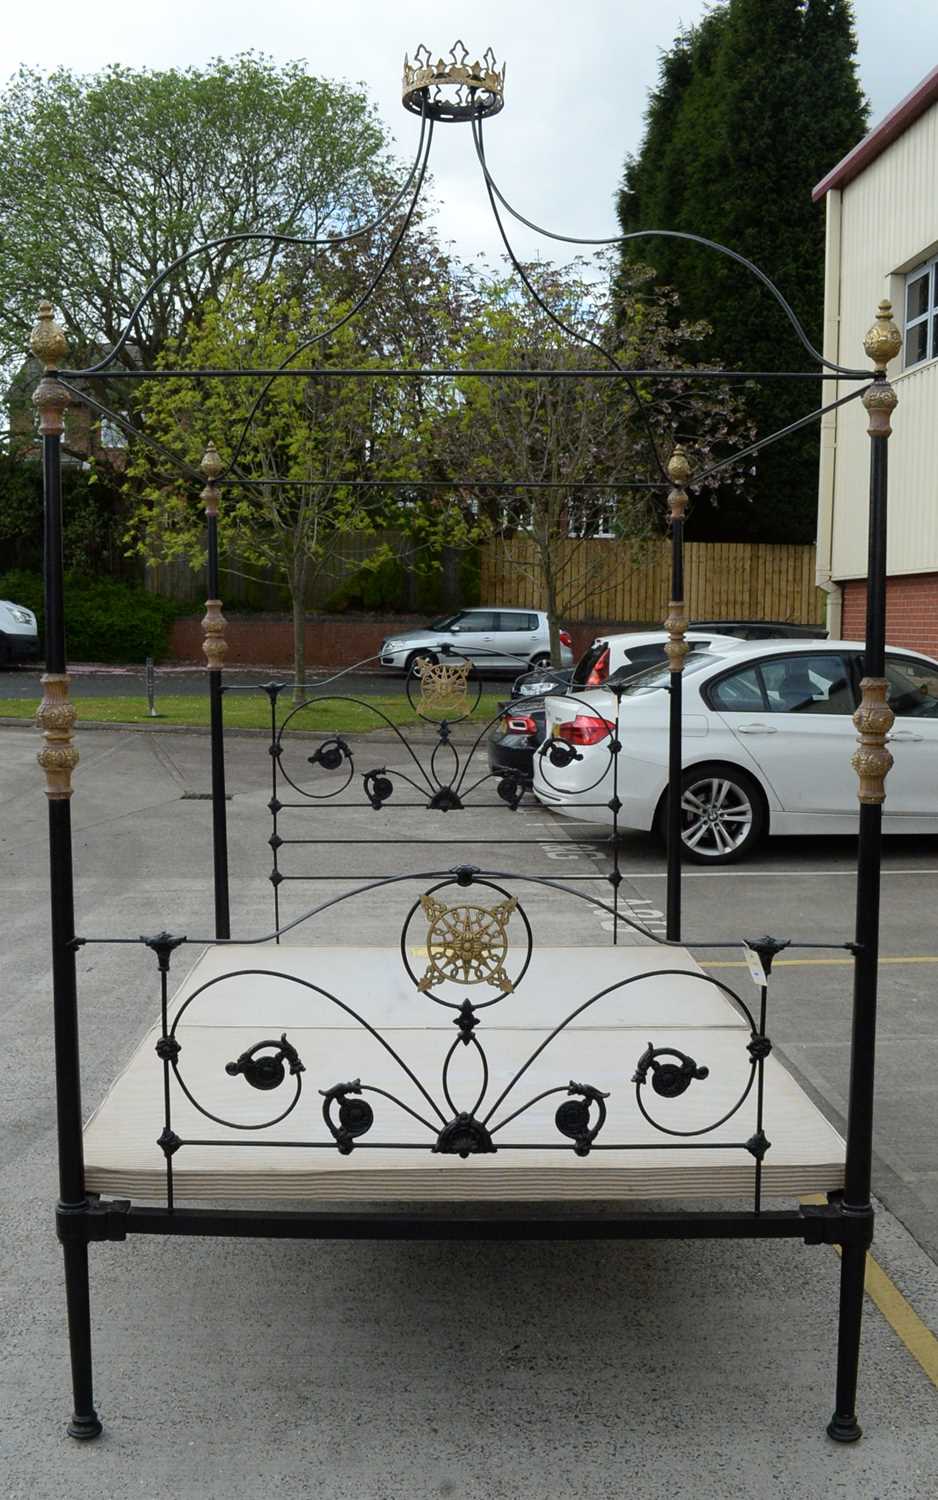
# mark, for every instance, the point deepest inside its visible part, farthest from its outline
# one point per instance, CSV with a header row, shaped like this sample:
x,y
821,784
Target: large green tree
x,y
109,178
586,441
296,511
753,105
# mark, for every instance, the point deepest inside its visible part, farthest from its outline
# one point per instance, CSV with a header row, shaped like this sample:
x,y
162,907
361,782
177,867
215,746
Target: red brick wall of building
x,y
911,611
267,640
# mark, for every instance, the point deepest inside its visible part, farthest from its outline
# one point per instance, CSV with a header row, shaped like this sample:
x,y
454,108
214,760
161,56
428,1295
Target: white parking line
x,y
748,871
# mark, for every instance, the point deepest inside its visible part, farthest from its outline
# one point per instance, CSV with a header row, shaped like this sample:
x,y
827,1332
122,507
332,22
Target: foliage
x,y
91,513
300,447
389,587
753,105
105,620
109,178
572,433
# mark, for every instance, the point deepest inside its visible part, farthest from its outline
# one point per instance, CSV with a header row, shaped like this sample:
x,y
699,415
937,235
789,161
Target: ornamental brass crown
x,y
453,90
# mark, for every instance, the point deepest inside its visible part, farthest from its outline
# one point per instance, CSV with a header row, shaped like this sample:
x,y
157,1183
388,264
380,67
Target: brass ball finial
x,y
211,464
211,467
47,340
679,468
883,341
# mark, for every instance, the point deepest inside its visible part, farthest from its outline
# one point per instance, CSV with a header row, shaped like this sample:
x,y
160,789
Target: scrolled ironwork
x,y
264,1066
669,1079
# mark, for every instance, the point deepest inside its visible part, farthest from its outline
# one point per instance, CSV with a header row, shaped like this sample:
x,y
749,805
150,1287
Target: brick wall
x,y
267,640
911,611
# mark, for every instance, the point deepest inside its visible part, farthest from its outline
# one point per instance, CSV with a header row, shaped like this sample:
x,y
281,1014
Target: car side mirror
x,y
455,629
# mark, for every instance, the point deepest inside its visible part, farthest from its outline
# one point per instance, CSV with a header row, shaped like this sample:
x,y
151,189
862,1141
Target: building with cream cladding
x,y
882,239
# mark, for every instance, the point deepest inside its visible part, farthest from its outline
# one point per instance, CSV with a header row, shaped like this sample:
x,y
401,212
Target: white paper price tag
x,y
754,964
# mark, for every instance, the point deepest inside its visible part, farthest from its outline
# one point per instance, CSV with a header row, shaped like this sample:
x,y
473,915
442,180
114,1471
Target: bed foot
x,y
84,1423
843,1426
84,1428
844,1429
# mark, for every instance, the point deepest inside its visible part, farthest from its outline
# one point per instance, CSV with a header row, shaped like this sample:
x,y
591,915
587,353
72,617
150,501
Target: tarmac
x,y
379,1371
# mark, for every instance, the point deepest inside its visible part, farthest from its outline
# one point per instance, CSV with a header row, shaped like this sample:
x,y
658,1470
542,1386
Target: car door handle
x,y
904,734
756,729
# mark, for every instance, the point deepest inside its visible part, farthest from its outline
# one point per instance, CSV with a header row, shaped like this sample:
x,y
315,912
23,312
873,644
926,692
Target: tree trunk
x,y
299,634
450,561
553,624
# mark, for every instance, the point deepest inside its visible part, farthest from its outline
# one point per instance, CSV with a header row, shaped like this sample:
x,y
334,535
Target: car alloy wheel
x,y
426,657
721,814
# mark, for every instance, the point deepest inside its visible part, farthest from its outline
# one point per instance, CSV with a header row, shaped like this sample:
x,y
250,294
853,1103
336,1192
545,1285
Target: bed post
x,y
676,649
58,758
871,761
215,646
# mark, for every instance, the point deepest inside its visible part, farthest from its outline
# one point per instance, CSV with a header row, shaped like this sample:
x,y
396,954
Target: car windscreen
x,y
654,678
442,622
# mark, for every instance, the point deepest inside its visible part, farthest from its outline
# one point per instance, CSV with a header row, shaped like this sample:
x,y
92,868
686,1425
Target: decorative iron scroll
x,y
468,944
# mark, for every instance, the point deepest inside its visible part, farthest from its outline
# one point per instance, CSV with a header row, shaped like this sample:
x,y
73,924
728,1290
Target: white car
x,y
767,741
496,638
19,638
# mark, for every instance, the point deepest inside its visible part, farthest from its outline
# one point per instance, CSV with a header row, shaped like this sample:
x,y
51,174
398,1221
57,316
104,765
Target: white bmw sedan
x,y
767,741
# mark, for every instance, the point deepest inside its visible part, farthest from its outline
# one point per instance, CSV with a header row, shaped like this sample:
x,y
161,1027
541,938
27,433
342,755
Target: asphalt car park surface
x,y
363,1370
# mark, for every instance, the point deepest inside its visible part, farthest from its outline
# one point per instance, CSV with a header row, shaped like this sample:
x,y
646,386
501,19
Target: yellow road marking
x,y
899,1314
794,963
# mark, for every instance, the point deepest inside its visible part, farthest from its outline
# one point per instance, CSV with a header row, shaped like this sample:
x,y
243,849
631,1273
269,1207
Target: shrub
x,y
105,620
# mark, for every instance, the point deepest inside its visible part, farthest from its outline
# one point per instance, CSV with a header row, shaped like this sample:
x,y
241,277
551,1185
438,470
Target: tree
x,y
295,511
109,178
574,433
753,106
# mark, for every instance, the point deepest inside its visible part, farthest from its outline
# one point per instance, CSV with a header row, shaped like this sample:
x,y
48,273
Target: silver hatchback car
x,y
497,639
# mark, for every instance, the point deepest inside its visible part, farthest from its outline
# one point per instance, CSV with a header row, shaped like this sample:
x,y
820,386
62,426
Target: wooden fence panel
x,y
612,581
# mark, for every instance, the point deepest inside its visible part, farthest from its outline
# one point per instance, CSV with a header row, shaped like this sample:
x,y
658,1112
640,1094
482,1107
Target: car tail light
x,y
585,729
519,724
566,639
600,670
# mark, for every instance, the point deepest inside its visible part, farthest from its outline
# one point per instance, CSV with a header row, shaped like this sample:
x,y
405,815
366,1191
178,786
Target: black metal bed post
x,y
215,647
676,648
58,758
871,761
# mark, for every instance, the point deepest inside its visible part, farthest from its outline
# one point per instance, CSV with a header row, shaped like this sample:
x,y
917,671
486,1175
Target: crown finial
x,y
883,341
47,340
454,88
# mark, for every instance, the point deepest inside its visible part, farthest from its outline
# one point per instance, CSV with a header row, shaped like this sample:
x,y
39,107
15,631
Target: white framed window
x,y
920,333
594,518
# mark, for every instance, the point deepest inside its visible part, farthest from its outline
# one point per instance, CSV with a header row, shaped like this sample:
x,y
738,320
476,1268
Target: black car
x,y
523,725
762,630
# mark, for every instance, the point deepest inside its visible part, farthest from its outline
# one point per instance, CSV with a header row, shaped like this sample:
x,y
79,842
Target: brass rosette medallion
x,y
467,944
444,687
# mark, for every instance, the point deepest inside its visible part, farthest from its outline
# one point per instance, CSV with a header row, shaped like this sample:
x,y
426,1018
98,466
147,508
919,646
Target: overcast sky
x,y
578,76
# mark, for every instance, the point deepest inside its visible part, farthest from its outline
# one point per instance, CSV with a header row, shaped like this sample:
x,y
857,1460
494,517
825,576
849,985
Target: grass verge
x,y
251,711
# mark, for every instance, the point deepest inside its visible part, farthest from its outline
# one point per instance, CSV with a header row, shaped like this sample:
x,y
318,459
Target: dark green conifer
x,y
753,106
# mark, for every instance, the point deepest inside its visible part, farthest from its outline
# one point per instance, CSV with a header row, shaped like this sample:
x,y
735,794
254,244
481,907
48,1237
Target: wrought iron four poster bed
x,y
467,1060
